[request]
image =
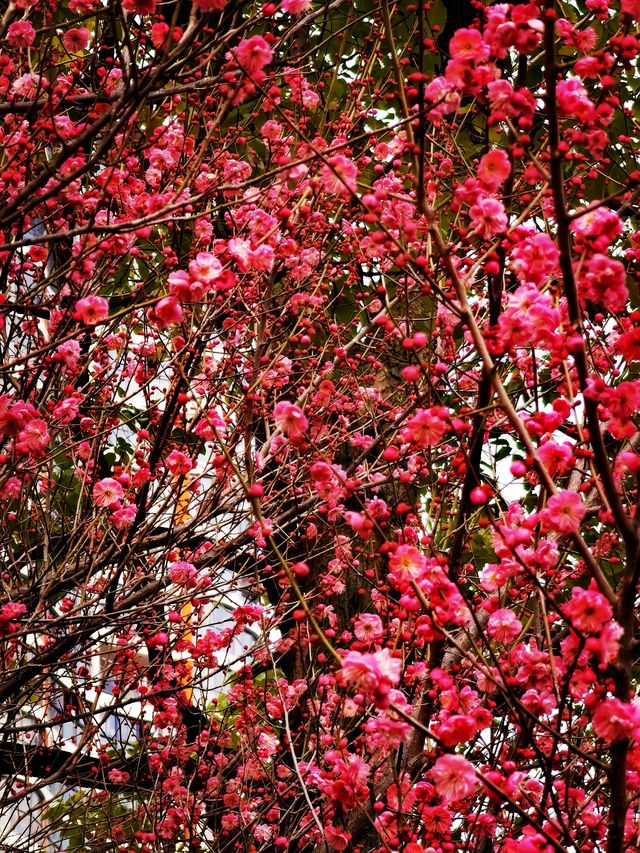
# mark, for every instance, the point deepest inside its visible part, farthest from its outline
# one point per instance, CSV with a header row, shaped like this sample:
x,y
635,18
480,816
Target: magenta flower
x,y
92,310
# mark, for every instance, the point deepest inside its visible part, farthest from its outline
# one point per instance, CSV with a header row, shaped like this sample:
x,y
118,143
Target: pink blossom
x,y
140,7
206,267
573,99
406,564
556,458
373,674
260,259
535,259
339,175
588,610
291,420
444,97
29,85
468,45
178,463
427,426
360,523
598,228
184,574
66,410
529,319
454,777
166,312
564,512
185,288
21,34
606,644
488,217
494,168
603,280
68,353
33,438
123,517
253,54
503,625
14,415
616,720
458,728
158,33
92,310
76,39
368,628
107,492
12,610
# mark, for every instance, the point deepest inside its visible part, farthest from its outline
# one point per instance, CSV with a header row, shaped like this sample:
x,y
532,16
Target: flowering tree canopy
x,y
319,451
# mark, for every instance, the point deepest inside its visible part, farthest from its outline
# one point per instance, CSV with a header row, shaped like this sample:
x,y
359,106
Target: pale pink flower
x,y
184,574
291,420
140,7
535,259
123,517
488,217
68,353
454,777
178,463
33,438
339,175
185,288
92,310
406,564
564,512
556,458
597,227
66,410
503,625
262,258
373,674
529,318
360,523
206,267
444,97
241,251
29,85
368,628
107,492
458,728
361,671
606,644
